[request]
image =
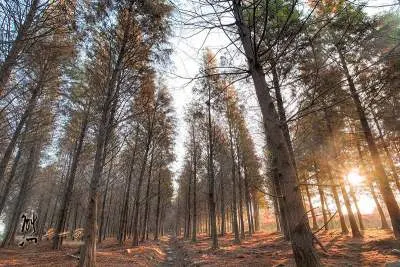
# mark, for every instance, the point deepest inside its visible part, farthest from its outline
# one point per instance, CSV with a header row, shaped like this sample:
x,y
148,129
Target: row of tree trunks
x,y
300,232
379,171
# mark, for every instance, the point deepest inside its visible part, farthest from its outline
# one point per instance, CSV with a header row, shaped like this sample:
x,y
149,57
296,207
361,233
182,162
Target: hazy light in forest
x,y
354,177
366,204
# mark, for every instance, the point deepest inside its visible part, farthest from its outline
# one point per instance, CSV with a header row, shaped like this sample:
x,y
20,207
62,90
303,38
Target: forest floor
x,y
376,248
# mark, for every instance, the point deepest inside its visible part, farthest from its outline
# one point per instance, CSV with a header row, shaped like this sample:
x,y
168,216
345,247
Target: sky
x,y
187,58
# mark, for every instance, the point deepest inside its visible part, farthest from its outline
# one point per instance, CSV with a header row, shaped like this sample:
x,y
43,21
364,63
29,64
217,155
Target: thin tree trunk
x,y
384,224
103,206
256,215
57,241
322,199
223,215
105,232
158,209
242,234
247,199
235,226
211,179
9,181
146,209
353,196
188,205
314,218
352,219
194,230
135,241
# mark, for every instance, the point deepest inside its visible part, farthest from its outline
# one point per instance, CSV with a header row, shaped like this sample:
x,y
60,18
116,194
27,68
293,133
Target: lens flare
x,y
355,178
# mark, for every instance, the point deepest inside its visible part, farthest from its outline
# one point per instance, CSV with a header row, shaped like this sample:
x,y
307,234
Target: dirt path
x,y
176,255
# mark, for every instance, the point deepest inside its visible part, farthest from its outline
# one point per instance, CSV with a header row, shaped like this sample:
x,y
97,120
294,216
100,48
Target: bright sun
x,y
365,202
354,177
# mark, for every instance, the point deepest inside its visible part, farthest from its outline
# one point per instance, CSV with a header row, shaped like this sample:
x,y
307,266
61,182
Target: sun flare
x,y
354,177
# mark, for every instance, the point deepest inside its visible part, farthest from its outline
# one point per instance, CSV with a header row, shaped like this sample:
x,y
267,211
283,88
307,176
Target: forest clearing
x,y
200,133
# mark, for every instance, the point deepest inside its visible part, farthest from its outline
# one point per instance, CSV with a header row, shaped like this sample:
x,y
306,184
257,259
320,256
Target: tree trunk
x,y
384,224
322,199
223,215
135,241
235,226
353,196
194,229
352,219
103,206
256,215
211,179
147,204
158,208
247,199
242,234
383,181
314,218
302,239
9,181
188,205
